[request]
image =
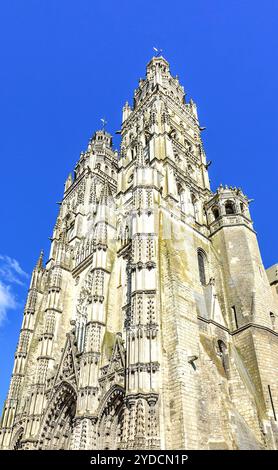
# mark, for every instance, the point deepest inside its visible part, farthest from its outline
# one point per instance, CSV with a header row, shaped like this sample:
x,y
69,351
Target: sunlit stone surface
x,y
153,324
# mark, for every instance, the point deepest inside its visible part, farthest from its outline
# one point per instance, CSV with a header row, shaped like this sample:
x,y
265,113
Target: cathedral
x,y
153,324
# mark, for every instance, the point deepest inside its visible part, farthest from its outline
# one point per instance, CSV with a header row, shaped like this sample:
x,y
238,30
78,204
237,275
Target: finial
x,y
68,183
69,178
39,264
104,122
158,51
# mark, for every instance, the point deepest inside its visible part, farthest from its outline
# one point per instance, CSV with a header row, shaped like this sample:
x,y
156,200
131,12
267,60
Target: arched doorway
x,y
17,439
111,417
57,424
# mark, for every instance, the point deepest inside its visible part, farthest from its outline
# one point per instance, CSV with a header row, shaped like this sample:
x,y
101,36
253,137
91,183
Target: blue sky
x,y
64,64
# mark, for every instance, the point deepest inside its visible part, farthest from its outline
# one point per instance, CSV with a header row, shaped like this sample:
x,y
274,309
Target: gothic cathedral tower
x,y
151,326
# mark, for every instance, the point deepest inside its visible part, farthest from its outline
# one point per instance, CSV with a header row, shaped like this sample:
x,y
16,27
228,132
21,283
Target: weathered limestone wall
x,y
245,279
153,324
179,337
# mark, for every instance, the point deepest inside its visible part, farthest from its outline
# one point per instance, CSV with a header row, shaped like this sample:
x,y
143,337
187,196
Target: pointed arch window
x,y
215,212
223,353
202,266
229,208
194,201
181,196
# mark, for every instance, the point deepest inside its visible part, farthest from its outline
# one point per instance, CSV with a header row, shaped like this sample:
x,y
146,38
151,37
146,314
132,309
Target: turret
x,y
100,140
234,239
229,206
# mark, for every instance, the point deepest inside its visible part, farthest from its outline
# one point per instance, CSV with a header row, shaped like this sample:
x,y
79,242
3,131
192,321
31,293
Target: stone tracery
x,y
57,426
118,339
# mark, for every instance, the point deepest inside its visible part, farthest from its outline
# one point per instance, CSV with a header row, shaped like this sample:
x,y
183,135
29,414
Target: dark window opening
x,y
229,208
235,316
215,212
271,401
201,265
223,354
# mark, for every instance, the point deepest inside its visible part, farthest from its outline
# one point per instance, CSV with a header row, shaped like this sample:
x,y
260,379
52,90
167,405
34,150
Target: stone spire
x,y
39,264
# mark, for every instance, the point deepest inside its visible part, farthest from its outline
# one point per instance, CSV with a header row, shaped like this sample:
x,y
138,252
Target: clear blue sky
x,y
64,64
